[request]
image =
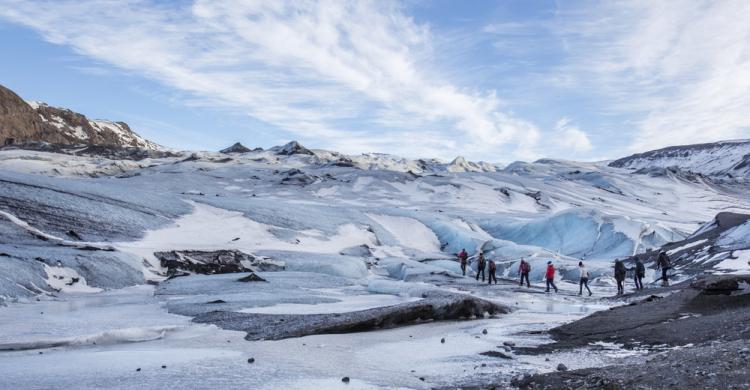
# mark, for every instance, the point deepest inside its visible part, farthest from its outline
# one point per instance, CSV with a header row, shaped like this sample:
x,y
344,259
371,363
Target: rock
x,y
216,301
42,127
421,378
236,148
496,354
484,331
164,366
345,379
72,234
251,360
562,367
442,340
438,306
138,369
292,148
509,343
251,278
214,262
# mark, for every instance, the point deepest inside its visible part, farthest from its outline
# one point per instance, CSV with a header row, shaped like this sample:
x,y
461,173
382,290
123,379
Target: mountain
x,y
724,159
22,122
237,148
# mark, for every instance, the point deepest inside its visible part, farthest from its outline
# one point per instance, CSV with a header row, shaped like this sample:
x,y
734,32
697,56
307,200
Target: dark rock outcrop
x,y
292,148
435,306
236,148
214,262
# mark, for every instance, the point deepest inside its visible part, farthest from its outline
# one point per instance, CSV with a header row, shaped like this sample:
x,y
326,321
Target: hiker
x,y
584,281
463,257
523,269
480,266
663,263
640,273
550,275
620,272
492,267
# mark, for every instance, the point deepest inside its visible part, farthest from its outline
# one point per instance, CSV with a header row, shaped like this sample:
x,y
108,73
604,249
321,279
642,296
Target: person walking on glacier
x,y
640,273
463,257
550,276
523,269
492,267
481,263
664,264
584,281
620,272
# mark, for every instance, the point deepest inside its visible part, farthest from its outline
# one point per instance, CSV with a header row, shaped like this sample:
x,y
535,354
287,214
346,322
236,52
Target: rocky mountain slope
x,y
724,159
22,122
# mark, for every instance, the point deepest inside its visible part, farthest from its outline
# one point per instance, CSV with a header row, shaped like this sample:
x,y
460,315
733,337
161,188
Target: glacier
x,y
354,234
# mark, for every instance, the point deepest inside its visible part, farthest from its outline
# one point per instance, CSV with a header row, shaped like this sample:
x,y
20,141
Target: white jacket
x,y
584,272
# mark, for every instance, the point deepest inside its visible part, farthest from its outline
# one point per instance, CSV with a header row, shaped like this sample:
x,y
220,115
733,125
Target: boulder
x,y
214,262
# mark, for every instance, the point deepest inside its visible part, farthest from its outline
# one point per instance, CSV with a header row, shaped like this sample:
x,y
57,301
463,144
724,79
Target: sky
x,y
496,81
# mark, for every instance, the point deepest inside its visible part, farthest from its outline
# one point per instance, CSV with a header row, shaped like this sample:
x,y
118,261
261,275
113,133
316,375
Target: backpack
x,y
526,267
492,265
640,269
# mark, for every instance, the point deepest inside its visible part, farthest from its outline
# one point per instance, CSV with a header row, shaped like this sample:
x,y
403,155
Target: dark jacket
x,y
640,269
620,270
663,261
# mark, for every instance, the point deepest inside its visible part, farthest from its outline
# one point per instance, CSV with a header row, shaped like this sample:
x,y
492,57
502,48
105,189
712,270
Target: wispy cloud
x,y
330,72
571,136
680,68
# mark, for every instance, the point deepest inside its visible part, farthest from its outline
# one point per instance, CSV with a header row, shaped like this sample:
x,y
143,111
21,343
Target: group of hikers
x,y
482,263
663,263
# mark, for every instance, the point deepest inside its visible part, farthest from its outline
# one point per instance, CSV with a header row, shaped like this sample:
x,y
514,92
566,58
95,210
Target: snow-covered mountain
x,y
725,159
22,122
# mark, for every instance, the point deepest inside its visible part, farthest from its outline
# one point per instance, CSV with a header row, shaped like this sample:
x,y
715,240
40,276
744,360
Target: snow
x,y
67,280
739,263
211,228
686,246
409,232
345,304
717,158
737,237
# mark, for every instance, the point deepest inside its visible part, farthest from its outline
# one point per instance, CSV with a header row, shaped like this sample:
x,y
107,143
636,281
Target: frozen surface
x,y
353,232
101,339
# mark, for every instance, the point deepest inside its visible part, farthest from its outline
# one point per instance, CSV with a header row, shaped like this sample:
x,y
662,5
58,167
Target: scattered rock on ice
x,y
562,367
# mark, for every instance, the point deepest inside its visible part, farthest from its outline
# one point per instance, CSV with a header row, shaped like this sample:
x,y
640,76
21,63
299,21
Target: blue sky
x,y
489,80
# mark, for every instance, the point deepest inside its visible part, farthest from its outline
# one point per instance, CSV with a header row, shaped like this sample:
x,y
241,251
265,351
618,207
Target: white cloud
x,y
306,67
571,137
680,68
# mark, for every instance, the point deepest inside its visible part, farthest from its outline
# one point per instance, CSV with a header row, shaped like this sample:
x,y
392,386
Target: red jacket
x,y
550,271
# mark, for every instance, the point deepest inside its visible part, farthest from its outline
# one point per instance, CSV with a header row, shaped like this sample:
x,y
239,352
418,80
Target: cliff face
x,y
21,122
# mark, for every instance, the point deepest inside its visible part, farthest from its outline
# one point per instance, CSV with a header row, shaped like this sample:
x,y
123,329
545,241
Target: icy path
x,y
110,335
